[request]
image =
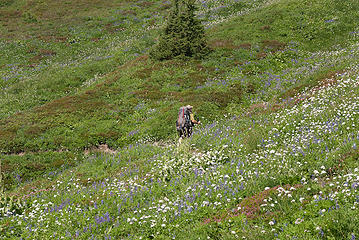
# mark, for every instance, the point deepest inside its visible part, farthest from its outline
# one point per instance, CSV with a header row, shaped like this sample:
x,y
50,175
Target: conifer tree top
x,y
183,35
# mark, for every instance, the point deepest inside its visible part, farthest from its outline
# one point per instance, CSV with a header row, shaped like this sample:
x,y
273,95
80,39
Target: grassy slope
x,y
256,48
266,58
228,80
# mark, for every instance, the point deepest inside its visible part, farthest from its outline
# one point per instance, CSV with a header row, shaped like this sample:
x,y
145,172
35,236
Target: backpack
x,y
183,119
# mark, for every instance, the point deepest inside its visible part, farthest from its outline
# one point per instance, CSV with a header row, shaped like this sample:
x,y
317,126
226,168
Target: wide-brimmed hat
x,y
189,106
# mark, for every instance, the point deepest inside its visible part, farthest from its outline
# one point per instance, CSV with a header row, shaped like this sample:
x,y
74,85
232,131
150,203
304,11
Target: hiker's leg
x,y
190,131
179,133
186,132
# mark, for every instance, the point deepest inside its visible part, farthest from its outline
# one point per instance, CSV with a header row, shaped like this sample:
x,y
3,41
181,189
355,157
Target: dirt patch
x,y
101,148
261,55
273,45
245,46
265,28
146,4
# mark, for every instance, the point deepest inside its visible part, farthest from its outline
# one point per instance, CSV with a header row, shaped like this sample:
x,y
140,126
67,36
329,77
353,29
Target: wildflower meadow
x,y
88,143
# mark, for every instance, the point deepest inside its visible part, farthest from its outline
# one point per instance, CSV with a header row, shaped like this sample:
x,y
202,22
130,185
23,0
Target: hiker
x,y
185,121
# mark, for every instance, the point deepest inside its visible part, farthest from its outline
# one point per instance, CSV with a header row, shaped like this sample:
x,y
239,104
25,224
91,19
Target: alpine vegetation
x,y
89,147
183,35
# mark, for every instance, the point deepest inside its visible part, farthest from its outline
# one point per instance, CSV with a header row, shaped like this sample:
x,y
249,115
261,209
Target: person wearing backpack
x,y
185,121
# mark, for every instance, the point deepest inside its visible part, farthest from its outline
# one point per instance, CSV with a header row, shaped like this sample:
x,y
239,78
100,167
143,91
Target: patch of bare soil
x,y
101,148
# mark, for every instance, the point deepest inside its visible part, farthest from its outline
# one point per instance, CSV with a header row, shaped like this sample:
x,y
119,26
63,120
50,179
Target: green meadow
x,y
88,145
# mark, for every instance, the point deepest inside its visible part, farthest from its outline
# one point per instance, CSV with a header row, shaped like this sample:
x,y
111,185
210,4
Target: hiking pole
x,y
1,183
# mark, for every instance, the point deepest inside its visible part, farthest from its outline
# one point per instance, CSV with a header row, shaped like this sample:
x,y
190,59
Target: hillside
x,y
275,158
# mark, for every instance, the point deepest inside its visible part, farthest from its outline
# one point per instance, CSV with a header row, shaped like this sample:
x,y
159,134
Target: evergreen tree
x,y
183,36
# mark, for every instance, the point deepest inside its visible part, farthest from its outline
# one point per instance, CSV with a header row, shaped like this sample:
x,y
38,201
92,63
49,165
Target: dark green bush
x,y
183,36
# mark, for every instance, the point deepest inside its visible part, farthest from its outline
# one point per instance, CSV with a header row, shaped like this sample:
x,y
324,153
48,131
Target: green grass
x,y
249,47
54,88
75,75
316,25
